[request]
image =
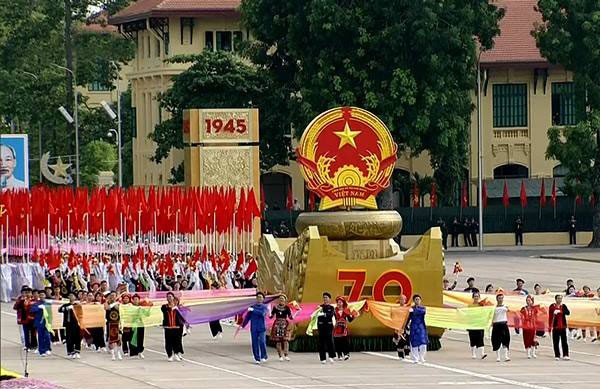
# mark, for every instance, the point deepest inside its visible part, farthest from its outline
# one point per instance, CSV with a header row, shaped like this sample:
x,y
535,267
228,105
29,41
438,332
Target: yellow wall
x,y
93,98
508,239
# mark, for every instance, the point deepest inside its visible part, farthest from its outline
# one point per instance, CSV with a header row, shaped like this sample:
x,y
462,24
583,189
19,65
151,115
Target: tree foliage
x,y
222,80
570,36
412,63
97,156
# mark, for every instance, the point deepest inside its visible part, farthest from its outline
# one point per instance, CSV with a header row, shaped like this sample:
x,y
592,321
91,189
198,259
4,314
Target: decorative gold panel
x,y
235,166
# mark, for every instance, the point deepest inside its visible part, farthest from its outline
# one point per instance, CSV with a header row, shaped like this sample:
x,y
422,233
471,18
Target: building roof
x,y
515,44
143,9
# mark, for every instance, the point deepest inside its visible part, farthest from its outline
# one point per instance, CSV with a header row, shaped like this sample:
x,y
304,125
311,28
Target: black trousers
x,y
173,341
73,339
518,238
500,336
454,240
572,237
476,338
126,339
474,239
326,343
467,239
560,336
30,336
342,346
215,328
445,241
98,337
139,340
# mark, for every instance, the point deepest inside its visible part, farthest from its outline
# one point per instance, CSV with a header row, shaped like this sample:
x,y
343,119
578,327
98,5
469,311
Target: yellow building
x,y
522,95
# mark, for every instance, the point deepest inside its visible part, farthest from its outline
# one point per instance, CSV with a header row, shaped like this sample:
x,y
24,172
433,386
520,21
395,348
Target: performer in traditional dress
x,y
97,333
173,323
25,319
557,322
476,336
39,321
137,339
401,337
280,331
127,331
418,331
113,331
256,315
71,311
500,332
343,317
325,328
529,323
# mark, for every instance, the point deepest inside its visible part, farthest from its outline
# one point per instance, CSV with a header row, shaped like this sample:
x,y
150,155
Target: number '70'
x,y
358,278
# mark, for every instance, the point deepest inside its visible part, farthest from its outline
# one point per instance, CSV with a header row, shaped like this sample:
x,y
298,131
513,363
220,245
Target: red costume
x,y
529,323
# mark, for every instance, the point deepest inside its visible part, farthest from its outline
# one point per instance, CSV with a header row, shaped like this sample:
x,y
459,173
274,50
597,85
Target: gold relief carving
x,y
226,166
271,263
294,273
354,225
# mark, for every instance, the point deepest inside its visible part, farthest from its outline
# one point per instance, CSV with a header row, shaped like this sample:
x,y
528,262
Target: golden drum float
x,y
347,156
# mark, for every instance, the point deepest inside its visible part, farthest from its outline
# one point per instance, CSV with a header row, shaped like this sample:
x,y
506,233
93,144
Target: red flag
x,y
433,195
52,259
169,266
204,254
578,200
252,205
523,195
290,198
240,261
196,256
464,197
505,196
36,255
484,195
416,196
311,201
553,194
85,264
125,264
252,267
592,200
543,194
224,259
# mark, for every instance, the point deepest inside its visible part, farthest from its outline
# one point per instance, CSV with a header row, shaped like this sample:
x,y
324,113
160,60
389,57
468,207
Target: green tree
x,y
570,36
97,156
412,63
222,80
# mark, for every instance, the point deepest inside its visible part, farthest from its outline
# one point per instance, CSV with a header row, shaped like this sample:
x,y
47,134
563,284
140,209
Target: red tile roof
x,y
515,44
142,9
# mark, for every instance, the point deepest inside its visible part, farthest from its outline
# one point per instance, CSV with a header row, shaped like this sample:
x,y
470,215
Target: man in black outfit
x,y
454,232
467,232
573,231
474,231
444,230
518,232
325,328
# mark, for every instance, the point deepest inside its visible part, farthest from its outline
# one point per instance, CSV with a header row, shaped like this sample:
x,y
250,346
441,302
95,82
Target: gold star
x,y
60,168
347,136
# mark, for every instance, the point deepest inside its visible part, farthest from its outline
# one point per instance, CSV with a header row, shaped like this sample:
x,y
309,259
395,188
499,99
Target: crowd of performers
x,y
333,320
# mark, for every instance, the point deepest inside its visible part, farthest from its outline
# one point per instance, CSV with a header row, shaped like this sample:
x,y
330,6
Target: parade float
x,y
347,156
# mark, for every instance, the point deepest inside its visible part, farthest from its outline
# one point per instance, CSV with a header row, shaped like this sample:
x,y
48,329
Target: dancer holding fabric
x,y
500,332
529,323
476,336
343,317
256,315
418,331
280,331
137,339
71,311
173,323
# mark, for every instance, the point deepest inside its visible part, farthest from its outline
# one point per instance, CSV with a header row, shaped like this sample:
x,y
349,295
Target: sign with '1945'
x,y
220,126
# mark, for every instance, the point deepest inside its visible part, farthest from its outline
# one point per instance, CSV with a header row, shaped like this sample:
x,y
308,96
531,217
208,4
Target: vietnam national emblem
x,y
347,156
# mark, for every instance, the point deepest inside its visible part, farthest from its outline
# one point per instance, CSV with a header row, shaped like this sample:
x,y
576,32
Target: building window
x,y
224,41
511,171
563,104
510,105
97,87
148,47
208,40
187,30
237,39
560,171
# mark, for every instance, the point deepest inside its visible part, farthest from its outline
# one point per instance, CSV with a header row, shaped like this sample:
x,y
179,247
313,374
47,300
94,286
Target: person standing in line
x,y
127,331
173,323
476,336
466,230
474,231
401,337
500,332
454,232
24,319
471,285
113,324
557,322
341,340
418,331
137,340
256,316
529,324
98,338
280,331
518,232
573,231
39,321
325,328
71,311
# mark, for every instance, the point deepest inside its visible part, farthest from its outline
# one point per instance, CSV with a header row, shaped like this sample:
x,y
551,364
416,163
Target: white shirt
x,y
12,183
500,314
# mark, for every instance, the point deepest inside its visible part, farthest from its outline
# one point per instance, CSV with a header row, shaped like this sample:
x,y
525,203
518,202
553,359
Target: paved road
x,y
226,364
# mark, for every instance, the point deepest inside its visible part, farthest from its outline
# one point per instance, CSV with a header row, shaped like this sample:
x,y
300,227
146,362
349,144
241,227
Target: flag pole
x,y
480,155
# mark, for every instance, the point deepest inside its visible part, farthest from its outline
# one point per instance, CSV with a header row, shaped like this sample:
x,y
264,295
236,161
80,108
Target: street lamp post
x,y
76,120
118,136
116,116
39,125
479,155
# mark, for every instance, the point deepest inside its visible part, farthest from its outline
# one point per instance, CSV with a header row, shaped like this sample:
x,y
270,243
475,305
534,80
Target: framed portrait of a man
x,y
14,162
